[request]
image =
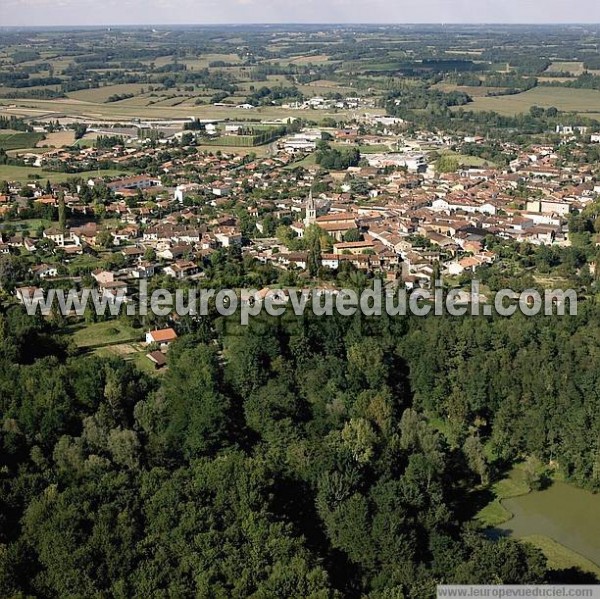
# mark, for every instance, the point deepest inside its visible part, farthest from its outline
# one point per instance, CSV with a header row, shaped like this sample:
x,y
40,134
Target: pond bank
x,y
562,520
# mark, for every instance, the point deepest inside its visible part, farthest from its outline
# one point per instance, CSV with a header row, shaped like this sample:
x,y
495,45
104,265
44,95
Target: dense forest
x,y
315,457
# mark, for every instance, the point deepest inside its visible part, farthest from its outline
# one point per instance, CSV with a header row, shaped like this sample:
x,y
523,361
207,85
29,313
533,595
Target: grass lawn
x,y
134,353
142,363
100,333
260,151
25,174
513,485
551,282
465,160
566,99
86,142
31,224
310,160
560,557
84,261
474,161
374,149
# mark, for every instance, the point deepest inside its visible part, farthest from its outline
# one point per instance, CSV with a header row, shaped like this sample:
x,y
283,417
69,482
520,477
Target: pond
x,y
569,515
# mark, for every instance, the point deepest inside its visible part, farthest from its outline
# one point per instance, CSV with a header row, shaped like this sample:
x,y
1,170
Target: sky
x,y
166,12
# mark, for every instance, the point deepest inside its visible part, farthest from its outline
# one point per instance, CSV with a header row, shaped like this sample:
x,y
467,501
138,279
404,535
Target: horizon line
x,y
314,24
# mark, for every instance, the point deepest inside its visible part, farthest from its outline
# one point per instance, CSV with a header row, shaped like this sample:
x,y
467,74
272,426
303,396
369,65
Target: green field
x,y
260,151
142,363
513,485
31,224
310,160
560,557
565,99
309,59
101,94
130,352
24,174
101,333
373,149
17,141
480,91
466,161
243,141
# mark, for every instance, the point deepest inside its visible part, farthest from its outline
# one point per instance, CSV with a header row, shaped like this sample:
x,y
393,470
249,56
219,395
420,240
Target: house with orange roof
x,y
162,336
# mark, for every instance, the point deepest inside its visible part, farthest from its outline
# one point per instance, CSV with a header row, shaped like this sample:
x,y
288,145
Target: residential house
x,y
163,337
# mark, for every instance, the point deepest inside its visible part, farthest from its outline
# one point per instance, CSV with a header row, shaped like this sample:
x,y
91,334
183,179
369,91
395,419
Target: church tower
x,y
311,211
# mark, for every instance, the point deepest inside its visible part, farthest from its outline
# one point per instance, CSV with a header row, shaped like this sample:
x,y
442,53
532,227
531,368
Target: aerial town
x,y
305,451
392,212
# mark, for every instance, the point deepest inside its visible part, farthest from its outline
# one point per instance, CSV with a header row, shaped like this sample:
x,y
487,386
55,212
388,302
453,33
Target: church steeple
x,y
311,210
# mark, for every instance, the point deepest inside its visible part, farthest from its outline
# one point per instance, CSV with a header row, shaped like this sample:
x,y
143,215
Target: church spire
x,y
311,210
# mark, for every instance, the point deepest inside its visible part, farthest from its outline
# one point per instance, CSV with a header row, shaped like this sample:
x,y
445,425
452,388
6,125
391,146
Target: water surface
x,y
569,515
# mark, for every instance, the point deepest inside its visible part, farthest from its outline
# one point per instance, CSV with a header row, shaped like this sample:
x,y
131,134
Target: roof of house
x,y
353,245
157,357
163,335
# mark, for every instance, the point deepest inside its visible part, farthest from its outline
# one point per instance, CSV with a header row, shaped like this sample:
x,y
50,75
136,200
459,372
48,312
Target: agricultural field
x,y
19,140
182,74
472,90
555,79
102,94
23,174
116,110
58,139
203,62
565,99
324,87
310,59
573,68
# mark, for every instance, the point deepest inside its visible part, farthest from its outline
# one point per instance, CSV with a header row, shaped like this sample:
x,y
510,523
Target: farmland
x,y
18,140
480,91
572,100
572,68
121,76
23,174
117,110
103,94
57,139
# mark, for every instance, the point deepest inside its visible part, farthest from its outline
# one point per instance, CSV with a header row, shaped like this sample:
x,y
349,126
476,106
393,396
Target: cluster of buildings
x,y
393,214
321,103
